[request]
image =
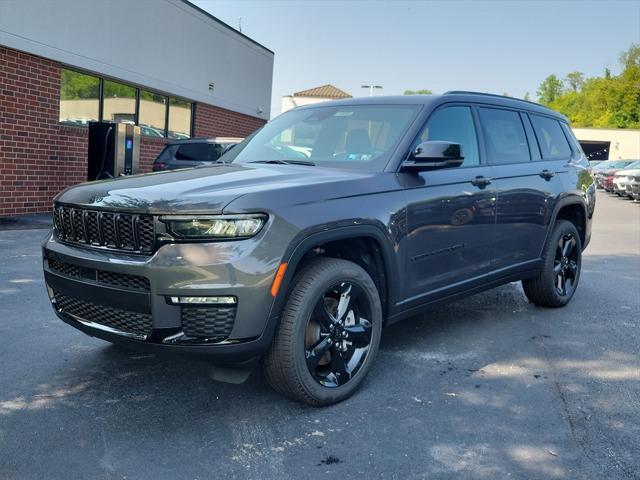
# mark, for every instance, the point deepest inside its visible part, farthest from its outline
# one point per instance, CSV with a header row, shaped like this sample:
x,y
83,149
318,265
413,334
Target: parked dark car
x,y
192,152
332,221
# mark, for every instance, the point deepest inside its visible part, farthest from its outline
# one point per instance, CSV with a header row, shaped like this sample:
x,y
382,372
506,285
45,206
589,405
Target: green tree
x,y
575,81
76,86
608,101
630,57
424,91
527,96
549,90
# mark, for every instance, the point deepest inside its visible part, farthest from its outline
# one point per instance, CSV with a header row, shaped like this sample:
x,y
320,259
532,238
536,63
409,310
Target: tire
x,y
547,289
292,366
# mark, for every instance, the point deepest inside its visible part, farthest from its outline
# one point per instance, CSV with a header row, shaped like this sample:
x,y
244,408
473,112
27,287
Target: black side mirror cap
x,y
434,154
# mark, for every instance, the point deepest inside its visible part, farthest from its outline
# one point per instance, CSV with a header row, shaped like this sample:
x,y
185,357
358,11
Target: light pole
x,y
371,87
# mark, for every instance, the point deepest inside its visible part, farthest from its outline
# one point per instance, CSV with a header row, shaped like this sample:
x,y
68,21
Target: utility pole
x,y
371,87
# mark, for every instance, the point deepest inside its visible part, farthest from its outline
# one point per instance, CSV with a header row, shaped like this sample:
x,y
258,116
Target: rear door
x,y
527,183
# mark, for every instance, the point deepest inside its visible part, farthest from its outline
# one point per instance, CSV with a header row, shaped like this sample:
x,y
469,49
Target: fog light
x,y
202,300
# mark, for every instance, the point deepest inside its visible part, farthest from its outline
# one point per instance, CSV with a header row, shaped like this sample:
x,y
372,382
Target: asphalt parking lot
x,y
489,387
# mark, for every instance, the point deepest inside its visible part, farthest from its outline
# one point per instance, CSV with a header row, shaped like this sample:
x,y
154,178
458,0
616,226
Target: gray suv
x,y
329,223
193,152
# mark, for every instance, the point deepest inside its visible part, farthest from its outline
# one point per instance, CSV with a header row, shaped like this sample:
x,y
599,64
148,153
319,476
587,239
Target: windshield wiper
x,y
286,162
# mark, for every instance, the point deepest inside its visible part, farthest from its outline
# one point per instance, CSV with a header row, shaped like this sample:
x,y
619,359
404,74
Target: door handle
x,y
547,174
481,182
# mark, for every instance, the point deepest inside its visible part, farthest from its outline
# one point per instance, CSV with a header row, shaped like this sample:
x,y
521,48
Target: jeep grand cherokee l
x,y
329,223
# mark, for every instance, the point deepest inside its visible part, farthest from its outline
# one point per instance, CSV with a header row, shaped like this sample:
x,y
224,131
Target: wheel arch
x,y
384,266
572,209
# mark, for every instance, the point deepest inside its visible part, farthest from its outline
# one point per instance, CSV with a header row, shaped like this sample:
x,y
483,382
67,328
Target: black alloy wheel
x,y
557,280
565,264
338,335
328,335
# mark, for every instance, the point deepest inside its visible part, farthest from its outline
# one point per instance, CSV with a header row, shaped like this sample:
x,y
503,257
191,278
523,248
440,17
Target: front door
x,y
450,212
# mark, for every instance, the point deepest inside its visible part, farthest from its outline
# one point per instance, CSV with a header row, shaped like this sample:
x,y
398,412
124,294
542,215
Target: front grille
x,y
65,268
121,280
208,322
133,282
116,231
122,320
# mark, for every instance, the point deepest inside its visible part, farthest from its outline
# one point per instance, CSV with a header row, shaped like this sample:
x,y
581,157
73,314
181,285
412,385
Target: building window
x,y
79,97
85,98
119,104
153,111
179,118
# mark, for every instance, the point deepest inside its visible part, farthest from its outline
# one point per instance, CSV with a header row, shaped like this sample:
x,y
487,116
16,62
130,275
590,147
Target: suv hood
x,y
205,189
624,173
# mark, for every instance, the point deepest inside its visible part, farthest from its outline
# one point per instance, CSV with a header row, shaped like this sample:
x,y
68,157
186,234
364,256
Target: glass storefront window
x,y
152,114
79,97
119,102
80,103
179,118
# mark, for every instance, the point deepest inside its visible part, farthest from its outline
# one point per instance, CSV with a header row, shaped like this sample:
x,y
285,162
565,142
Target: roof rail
x,y
464,92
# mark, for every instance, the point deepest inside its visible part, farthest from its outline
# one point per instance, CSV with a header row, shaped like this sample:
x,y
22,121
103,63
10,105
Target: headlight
x,y
223,227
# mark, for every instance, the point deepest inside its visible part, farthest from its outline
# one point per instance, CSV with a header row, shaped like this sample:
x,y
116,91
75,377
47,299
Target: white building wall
x,y
625,143
289,102
165,45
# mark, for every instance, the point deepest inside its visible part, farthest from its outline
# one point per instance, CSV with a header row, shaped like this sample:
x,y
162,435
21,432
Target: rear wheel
x,y
328,335
561,263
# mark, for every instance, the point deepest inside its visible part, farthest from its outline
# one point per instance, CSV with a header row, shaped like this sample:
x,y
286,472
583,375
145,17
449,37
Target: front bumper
x,y
123,298
619,186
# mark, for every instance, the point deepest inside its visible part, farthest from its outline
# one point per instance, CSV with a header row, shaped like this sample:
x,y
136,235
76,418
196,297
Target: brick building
x,y
203,79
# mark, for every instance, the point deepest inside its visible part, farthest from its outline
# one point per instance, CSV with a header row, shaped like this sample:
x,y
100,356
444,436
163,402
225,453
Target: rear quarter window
x,y
167,153
551,139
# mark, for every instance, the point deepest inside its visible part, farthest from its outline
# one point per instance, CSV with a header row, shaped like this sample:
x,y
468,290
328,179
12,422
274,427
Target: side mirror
x,y
434,154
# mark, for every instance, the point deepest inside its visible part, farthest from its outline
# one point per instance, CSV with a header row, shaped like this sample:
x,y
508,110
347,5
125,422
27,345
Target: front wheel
x,y
561,263
328,335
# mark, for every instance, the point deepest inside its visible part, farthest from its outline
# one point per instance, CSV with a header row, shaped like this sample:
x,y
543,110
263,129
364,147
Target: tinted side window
x,y
504,136
553,143
454,124
167,153
198,151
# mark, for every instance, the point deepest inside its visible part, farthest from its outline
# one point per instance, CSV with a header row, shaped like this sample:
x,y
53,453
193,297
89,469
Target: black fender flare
x,y
305,241
571,199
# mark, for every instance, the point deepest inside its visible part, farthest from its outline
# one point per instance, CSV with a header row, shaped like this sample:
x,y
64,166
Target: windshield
x,y
359,137
635,164
619,164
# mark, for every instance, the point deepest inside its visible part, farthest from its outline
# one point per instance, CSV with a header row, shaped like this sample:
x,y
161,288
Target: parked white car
x,y
621,178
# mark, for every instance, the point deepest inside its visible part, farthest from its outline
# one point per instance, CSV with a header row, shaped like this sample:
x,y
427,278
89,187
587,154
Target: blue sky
x,y
493,46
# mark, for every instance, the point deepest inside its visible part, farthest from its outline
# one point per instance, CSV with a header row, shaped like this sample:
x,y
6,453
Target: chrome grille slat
x,y
77,217
93,228
109,230
114,231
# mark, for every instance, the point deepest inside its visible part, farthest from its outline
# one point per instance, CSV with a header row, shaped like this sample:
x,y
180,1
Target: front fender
x,y
312,237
